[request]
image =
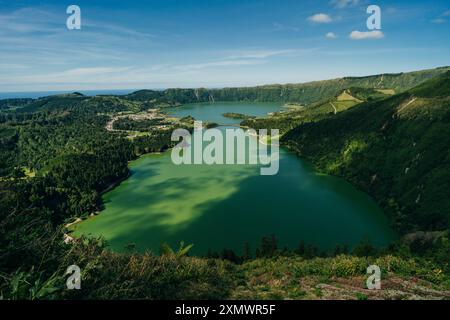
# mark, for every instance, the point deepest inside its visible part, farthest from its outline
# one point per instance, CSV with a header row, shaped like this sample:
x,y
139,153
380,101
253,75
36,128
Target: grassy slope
x,y
110,275
341,277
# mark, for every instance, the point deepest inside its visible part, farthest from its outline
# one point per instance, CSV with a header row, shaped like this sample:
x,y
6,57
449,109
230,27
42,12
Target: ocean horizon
x,y
40,94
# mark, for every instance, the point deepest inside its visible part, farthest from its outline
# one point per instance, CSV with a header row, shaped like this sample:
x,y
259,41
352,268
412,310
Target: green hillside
x,y
397,149
79,103
321,109
14,103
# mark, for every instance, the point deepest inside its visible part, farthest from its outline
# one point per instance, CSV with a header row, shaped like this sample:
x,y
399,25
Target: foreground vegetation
x,y
58,157
276,274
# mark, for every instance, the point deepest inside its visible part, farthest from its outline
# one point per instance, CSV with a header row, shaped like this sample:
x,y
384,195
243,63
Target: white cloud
x,y
446,13
366,35
320,18
344,3
331,35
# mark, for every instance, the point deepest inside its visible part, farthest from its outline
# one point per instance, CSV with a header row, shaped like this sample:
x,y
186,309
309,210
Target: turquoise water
x,y
213,112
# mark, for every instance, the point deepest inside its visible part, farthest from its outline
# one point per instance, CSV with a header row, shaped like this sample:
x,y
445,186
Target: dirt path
x,y
78,220
381,80
406,105
335,110
110,125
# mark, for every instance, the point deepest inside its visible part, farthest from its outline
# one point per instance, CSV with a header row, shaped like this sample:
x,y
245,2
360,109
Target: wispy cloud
x,y
320,18
442,18
344,3
282,27
116,29
38,39
12,66
36,20
366,35
70,75
29,20
94,71
213,64
261,54
145,76
243,58
438,20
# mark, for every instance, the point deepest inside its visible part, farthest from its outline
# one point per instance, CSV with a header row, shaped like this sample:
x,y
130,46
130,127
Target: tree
x,y
301,249
247,252
364,248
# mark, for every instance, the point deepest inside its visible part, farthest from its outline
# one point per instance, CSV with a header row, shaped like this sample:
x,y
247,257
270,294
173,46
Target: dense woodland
x,y
57,158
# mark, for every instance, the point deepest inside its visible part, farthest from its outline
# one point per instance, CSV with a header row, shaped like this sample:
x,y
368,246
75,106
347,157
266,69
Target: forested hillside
x,y
396,149
294,115
13,103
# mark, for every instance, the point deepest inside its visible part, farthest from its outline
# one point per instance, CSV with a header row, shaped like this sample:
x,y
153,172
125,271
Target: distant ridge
x,y
304,93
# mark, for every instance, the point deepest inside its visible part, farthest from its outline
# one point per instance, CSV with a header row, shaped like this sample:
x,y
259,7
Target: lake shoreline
x,y
342,202
109,188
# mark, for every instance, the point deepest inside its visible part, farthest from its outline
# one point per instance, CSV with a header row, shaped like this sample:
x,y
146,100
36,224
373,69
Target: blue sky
x,y
214,43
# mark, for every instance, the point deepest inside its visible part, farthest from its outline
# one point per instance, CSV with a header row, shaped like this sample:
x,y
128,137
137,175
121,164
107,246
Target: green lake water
x,y
223,206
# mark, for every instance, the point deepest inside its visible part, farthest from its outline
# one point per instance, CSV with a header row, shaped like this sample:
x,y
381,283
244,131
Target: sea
x,y
39,94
